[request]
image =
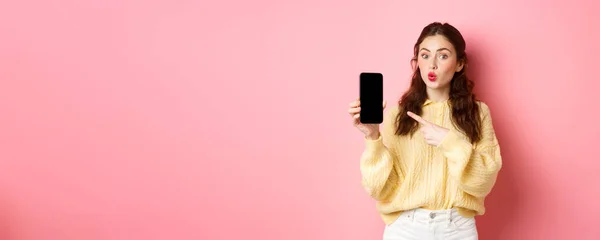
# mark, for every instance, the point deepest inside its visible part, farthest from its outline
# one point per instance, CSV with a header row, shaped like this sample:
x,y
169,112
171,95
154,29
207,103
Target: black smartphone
x,y
371,98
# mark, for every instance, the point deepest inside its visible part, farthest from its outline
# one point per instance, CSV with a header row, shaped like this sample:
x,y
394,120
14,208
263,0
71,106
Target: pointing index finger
x,y
417,118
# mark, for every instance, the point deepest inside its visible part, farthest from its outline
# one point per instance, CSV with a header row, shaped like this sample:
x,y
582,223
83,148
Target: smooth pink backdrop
x,y
228,119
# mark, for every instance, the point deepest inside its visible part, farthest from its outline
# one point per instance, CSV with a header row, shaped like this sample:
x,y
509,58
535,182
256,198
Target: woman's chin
x,y
431,84
434,84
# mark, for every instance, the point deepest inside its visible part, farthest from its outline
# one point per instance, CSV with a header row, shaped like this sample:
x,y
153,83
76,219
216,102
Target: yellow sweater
x,y
403,173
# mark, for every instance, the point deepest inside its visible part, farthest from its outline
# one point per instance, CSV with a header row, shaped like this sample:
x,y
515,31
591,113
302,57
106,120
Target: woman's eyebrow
x,y
441,49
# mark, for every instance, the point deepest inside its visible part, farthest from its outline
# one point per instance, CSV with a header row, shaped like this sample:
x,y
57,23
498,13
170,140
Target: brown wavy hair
x,y
465,110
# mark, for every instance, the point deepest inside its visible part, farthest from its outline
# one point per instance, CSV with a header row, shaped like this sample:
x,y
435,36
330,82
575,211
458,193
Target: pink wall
x,y
228,120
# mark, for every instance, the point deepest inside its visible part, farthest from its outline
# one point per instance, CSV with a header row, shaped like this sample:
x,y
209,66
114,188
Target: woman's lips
x,y
431,76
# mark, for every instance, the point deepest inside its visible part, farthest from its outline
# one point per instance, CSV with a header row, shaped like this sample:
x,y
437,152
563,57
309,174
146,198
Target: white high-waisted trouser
x,y
425,224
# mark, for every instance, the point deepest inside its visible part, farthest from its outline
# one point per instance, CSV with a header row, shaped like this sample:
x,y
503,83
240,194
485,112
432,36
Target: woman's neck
x,y
438,95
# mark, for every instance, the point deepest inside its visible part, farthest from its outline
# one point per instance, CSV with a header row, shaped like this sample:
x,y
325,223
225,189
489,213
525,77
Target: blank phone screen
x,y
371,98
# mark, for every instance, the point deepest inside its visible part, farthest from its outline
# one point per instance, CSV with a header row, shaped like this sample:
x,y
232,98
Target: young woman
x,y
436,157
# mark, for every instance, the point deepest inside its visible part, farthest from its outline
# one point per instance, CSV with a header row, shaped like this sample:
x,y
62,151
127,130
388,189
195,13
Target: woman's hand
x,y
371,131
434,134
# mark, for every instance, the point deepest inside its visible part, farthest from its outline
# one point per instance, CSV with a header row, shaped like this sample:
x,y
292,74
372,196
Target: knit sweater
x,y
403,172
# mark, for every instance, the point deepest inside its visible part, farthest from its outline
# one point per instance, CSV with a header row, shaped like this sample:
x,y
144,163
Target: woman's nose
x,y
433,64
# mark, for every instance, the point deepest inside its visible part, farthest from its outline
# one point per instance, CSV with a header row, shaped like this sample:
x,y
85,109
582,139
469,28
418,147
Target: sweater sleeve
x,y
378,163
474,167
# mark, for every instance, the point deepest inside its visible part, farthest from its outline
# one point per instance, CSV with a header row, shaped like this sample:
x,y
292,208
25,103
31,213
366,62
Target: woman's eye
x,y
424,56
443,56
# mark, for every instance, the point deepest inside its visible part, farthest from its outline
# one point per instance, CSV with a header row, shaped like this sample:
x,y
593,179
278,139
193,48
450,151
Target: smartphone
x,y
371,98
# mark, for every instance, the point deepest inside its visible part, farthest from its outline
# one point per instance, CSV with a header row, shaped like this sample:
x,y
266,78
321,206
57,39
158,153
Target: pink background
x,y
228,120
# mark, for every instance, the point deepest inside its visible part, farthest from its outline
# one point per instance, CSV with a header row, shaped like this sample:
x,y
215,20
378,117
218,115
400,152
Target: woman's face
x,y
437,62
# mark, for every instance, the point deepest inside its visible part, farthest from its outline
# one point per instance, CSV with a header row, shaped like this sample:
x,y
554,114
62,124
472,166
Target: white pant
x,y
425,224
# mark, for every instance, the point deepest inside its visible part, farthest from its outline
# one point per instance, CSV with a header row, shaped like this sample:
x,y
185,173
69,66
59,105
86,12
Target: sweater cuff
x,y
456,149
374,145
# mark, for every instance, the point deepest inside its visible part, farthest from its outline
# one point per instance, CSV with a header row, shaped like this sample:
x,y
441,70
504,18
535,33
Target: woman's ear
x,y
414,64
460,66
